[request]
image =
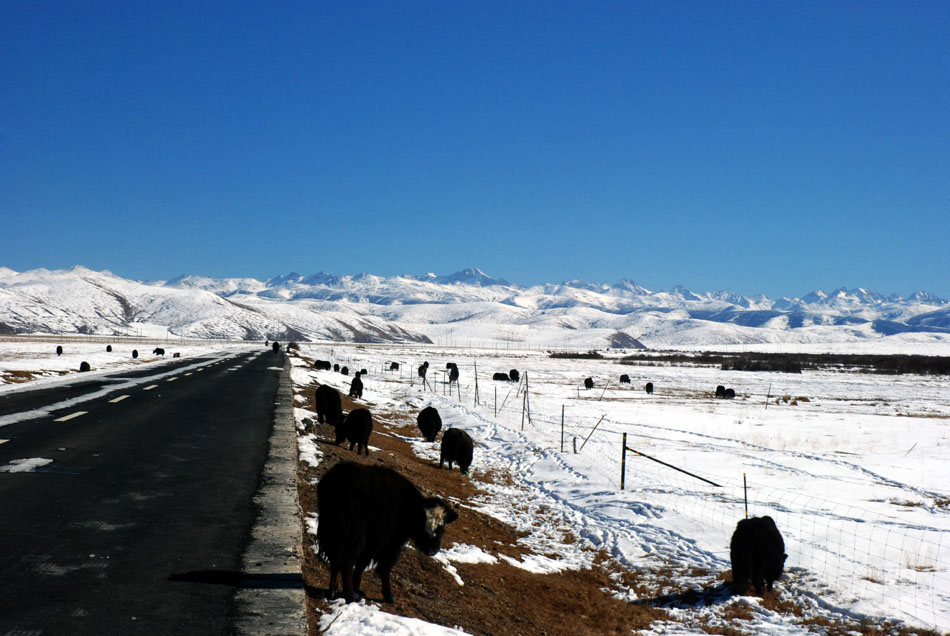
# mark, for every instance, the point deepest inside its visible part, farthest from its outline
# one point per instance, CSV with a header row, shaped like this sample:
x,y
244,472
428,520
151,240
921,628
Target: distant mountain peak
x,y
626,284
470,276
277,281
684,293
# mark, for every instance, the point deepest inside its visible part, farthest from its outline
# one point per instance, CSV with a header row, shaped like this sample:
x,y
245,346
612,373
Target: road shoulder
x,y
271,599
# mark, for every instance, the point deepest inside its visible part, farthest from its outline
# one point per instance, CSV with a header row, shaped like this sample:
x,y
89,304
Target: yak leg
x,y
348,589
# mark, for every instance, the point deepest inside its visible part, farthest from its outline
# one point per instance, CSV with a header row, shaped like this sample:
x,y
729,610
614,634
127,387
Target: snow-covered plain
x,y
856,474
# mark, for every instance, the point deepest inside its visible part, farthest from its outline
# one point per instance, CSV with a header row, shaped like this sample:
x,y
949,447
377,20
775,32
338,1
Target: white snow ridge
x,y
468,308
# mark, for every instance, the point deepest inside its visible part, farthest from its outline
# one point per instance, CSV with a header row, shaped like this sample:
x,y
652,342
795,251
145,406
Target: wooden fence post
x,y
623,462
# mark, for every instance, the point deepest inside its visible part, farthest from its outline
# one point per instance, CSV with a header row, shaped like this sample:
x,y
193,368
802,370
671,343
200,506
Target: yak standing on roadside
x,y
356,386
329,410
457,447
757,553
355,429
429,422
366,514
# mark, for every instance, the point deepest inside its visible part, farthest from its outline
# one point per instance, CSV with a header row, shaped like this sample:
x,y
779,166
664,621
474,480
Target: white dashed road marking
x,y
171,379
66,418
149,388
118,399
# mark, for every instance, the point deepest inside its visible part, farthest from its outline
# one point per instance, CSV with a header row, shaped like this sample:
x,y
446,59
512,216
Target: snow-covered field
x,y
856,474
38,358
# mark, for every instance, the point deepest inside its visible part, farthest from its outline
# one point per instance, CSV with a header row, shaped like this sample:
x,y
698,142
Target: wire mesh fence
x,y
858,553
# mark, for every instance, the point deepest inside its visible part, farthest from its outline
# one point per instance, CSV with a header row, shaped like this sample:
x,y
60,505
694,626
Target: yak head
x,y
437,514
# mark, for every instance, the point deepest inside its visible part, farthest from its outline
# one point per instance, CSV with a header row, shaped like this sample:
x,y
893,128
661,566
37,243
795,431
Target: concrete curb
x,y
271,602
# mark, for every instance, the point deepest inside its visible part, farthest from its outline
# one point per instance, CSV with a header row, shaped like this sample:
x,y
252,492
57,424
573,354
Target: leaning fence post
x,y
524,406
593,429
527,397
476,383
623,461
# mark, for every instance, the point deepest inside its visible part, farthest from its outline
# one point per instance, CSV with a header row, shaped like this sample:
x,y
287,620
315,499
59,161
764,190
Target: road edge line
x,y
278,605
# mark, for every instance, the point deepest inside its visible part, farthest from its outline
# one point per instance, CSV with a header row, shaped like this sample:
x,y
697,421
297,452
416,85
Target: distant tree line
x,y
577,355
797,362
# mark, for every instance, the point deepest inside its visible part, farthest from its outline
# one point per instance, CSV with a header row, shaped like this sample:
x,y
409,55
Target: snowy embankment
x,y
852,467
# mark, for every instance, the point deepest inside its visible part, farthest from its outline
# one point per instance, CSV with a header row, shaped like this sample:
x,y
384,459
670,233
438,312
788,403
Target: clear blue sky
x,y
773,147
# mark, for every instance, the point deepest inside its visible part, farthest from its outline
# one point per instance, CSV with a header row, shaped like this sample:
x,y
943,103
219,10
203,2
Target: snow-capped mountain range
x,y
465,308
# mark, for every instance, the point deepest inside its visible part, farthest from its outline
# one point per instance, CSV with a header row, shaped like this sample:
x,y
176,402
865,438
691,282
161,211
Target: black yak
x,y
84,366
500,377
757,552
355,428
720,391
276,347
394,366
649,388
729,394
588,383
109,348
345,370
429,422
366,514
158,351
322,365
514,376
625,379
59,350
363,372
328,405
135,353
336,368
457,447
356,386
176,355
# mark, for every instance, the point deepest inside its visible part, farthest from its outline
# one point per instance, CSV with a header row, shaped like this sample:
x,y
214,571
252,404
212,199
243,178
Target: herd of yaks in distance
x,y
84,366
368,513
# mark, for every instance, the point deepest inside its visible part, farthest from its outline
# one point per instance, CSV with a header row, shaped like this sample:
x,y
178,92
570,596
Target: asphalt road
x,y
148,497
